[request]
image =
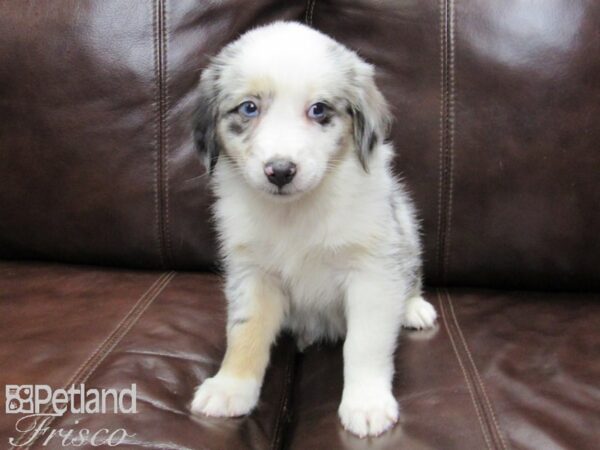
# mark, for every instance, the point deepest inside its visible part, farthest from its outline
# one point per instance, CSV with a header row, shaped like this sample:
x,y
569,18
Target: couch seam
x,y
496,427
451,121
442,18
161,170
165,135
468,381
309,14
107,345
283,402
445,157
156,130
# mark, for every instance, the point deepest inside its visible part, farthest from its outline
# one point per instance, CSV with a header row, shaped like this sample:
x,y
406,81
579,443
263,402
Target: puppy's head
x,y
284,104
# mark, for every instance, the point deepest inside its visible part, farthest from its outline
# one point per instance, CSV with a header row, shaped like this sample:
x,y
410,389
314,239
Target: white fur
x,y
224,396
339,247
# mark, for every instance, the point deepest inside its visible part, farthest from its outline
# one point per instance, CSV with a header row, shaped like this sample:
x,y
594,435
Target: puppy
x,y
316,234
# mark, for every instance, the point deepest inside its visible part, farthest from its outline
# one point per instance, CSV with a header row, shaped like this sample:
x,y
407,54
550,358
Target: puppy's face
x,y
284,104
283,132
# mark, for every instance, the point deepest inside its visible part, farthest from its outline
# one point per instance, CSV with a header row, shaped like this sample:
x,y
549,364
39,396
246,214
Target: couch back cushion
x,y
97,163
496,126
497,108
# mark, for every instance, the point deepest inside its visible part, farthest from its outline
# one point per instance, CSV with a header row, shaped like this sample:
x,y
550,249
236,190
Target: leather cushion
x,y
502,370
494,105
97,161
165,332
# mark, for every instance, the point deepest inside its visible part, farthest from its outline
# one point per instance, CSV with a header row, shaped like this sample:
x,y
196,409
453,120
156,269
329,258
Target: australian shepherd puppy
x,y
317,235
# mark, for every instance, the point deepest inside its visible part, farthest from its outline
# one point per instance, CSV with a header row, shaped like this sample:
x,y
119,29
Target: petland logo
x,y
42,405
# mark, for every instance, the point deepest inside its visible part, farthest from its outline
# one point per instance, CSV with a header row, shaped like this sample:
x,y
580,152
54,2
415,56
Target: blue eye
x,y
248,109
317,111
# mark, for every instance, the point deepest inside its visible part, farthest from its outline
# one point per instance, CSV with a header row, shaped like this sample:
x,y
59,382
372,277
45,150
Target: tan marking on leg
x,y
249,343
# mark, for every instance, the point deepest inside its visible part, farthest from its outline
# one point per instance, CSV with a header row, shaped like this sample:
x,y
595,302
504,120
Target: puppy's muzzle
x,y
280,172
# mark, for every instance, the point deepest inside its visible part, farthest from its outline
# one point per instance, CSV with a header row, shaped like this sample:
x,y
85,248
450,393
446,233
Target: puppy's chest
x,y
311,274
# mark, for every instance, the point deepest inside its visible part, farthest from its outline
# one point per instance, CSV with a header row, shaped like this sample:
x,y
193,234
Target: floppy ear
x,y
205,119
371,118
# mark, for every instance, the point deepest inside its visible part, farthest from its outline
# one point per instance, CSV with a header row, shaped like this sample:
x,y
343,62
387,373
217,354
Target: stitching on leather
x,y
484,395
442,123
113,338
310,10
283,403
446,152
451,100
470,387
306,11
87,368
165,136
156,133
162,151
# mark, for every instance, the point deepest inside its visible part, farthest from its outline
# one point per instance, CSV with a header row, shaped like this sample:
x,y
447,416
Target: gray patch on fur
x,y
407,254
207,113
235,127
364,138
238,321
206,117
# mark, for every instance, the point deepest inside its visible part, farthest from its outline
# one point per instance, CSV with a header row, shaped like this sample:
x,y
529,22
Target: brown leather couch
x,y
107,276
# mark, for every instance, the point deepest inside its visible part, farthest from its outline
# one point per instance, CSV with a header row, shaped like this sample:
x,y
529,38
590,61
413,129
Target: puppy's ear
x,y
205,119
371,117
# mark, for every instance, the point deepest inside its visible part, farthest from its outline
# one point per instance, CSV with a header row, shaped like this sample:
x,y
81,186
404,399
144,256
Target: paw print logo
x,y
19,399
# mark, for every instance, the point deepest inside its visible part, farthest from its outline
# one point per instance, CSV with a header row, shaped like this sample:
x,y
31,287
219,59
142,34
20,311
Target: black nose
x,y
280,172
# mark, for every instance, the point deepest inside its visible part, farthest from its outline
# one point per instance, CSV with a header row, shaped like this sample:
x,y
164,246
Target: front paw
x,y
367,413
226,396
419,314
